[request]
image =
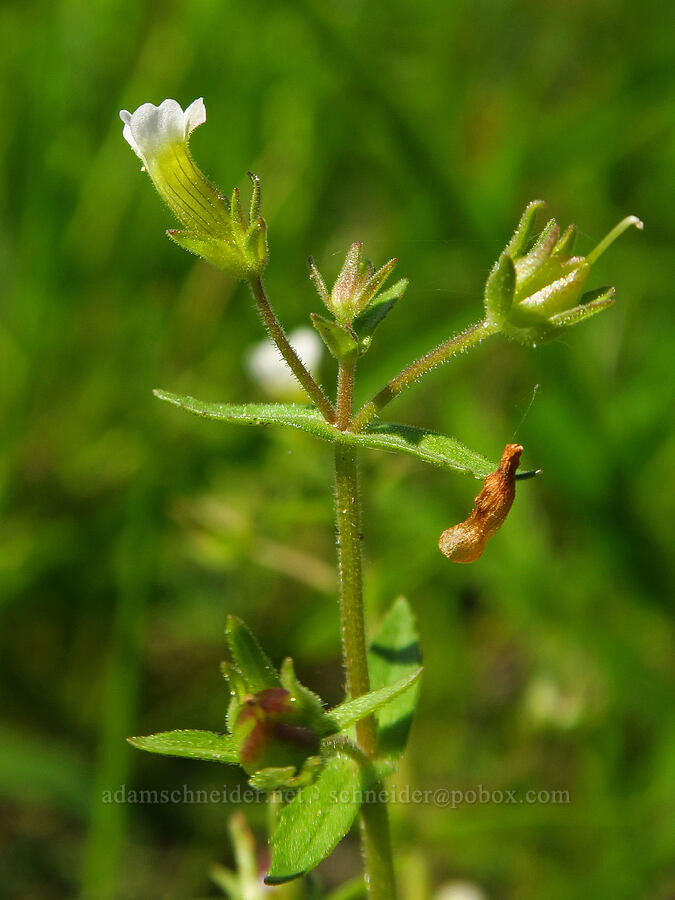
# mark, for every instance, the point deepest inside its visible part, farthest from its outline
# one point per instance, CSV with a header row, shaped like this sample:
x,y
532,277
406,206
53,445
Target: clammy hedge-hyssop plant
x,y
318,765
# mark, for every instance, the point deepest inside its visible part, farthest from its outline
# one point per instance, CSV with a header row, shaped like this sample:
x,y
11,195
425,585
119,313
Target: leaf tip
x,y
274,880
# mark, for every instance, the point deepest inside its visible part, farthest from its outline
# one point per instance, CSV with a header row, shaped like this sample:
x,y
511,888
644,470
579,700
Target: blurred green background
x,y
129,530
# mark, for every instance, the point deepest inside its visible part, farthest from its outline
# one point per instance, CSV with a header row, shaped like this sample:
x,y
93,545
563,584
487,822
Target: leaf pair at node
x,y
275,725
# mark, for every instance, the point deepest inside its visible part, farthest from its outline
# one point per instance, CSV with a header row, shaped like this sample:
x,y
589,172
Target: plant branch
x,y
416,370
296,365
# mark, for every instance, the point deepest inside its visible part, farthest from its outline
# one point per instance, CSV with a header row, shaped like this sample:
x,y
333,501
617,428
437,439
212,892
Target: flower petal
x,y
195,115
150,129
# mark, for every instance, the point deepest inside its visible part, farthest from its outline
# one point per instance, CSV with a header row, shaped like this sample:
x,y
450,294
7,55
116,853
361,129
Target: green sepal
x,y
319,816
338,338
254,211
190,745
319,283
565,245
255,244
556,297
374,283
251,660
352,711
369,318
592,302
522,236
237,214
238,691
528,267
500,289
222,254
275,778
310,703
272,778
235,679
395,654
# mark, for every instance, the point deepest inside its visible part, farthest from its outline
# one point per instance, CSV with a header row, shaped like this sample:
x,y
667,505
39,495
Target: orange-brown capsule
x,y
464,543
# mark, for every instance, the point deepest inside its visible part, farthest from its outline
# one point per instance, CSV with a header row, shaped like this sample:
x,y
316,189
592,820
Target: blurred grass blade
x,y
429,446
189,744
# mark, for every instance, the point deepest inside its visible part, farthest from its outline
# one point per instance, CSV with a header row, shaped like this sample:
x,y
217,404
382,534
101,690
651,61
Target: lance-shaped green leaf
x,y
250,658
352,711
429,446
367,321
189,744
338,338
318,817
394,654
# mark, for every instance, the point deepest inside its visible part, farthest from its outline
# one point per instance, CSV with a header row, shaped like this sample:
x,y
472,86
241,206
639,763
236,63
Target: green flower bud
x,y
356,286
271,732
216,228
536,288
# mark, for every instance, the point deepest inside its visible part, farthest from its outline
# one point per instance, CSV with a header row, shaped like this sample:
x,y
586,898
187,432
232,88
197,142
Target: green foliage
x,y
395,654
275,722
535,289
318,817
251,660
428,446
352,711
339,339
367,321
189,744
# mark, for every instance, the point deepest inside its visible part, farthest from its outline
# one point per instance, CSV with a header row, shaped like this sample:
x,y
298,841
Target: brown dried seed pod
x,y
464,543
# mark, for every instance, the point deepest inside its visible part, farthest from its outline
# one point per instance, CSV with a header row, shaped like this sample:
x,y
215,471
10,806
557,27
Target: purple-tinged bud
x,y
270,732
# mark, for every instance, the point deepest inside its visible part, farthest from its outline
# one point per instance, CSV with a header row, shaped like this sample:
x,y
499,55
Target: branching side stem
x,y
445,351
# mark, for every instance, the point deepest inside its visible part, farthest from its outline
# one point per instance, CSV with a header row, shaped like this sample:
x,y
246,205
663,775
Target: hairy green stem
x,y
379,867
445,351
278,335
345,396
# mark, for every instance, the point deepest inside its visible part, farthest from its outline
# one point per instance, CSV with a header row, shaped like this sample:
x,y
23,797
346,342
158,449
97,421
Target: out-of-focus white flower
x,y
549,705
267,367
160,135
460,890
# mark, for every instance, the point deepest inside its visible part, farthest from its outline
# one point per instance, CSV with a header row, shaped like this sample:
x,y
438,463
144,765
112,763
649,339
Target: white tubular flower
x,y
159,136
